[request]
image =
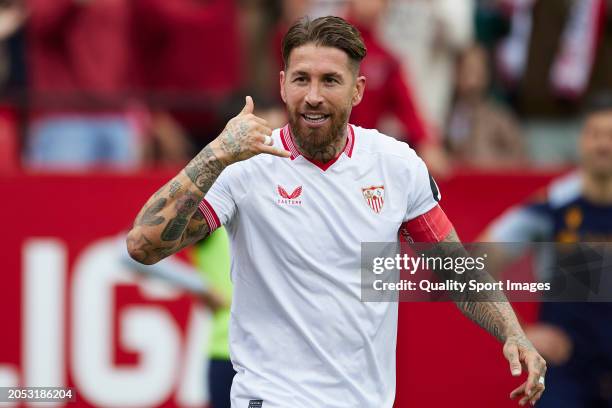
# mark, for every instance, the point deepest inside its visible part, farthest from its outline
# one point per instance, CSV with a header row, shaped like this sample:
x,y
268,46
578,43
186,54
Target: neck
x,y
322,153
598,189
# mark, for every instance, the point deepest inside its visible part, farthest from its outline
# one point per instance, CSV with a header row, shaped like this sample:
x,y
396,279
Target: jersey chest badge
x,y
374,197
292,198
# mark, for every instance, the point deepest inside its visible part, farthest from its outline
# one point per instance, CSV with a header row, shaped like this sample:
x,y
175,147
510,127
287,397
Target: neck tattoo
x,y
322,153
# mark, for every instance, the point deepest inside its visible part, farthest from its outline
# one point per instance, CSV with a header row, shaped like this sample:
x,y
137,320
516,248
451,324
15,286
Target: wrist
x,y
220,154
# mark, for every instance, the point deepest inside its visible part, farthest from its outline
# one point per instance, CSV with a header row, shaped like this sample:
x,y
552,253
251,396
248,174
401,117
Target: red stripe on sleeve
x,y
433,226
209,215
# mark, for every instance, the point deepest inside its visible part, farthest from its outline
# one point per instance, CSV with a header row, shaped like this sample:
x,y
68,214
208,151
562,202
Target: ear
x,y
282,86
360,84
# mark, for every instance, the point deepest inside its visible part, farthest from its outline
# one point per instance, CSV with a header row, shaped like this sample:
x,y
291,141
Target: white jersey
x,y
299,335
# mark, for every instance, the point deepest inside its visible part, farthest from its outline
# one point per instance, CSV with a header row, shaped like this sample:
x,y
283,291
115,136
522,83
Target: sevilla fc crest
x,y
375,197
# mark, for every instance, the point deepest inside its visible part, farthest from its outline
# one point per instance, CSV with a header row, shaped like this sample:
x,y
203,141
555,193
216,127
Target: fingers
x,y
264,130
537,368
520,390
525,398
275,151
512,355
257,119
531,390
249,106
537,395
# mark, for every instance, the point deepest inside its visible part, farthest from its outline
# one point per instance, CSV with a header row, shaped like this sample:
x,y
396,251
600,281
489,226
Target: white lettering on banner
x,y
151,331
44,286
168,360
8,378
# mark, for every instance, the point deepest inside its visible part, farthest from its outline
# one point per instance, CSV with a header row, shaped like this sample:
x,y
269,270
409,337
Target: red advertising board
x,y
73,316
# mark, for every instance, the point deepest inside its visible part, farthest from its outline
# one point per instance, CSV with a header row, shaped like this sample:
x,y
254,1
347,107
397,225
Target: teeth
x,y
315,117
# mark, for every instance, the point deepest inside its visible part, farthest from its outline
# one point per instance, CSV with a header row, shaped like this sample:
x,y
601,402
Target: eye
x,y
299,80
331,81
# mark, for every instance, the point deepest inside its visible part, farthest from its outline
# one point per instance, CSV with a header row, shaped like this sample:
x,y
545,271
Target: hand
x,y
245,136
520,353
554,344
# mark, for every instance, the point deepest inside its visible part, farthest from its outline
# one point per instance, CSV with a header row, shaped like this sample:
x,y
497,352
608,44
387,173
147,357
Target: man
x,y
296,218
575,338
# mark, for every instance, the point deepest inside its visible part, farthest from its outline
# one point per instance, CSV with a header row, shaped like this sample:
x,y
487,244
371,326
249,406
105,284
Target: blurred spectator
x,y
78,59
212,259
12,16
491,22
427,35
188,57
481,133
575,338
387,89
557,55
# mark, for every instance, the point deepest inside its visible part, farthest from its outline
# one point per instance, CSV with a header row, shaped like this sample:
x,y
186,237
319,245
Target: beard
x,y
322,142
598,167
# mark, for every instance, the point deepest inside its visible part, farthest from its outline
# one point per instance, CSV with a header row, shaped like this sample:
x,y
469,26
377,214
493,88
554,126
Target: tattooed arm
x,y
492,311
170,220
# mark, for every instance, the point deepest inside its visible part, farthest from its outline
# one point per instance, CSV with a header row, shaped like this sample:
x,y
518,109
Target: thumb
x,y
249,106
512,355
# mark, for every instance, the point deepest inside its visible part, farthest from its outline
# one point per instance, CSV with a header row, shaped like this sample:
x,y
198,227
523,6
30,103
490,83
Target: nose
x,y
314,97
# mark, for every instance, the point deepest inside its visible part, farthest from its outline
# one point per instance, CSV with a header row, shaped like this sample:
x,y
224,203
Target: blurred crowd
x,y
127,84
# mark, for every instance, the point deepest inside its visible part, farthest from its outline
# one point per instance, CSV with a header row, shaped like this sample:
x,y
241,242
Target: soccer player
x,y
575,338
296,216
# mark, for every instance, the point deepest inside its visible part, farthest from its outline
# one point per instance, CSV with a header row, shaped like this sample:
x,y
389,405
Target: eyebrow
x,y
325,75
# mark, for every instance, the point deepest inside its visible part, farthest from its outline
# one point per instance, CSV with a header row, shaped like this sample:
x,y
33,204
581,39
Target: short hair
x,y
330,31
598,103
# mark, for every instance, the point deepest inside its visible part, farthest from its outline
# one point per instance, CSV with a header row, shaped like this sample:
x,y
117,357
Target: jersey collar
x,y
289,144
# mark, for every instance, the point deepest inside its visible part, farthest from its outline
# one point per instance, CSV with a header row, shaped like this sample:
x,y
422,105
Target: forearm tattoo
x,y
204,169
181,227
489,309
185,207
149,214
186,224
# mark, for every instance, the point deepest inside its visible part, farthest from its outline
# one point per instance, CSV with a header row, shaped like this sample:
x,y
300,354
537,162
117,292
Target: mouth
x,y
315,119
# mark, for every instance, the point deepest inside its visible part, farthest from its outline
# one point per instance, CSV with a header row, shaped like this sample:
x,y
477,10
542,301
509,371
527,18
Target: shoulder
x,y
565,190
561,192
371,142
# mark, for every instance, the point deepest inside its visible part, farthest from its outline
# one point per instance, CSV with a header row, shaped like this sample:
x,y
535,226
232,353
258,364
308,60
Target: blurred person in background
x,y
427,35
557,55
481,133
78,59
208,278
389,91
212,260
575,338
187,69
12,80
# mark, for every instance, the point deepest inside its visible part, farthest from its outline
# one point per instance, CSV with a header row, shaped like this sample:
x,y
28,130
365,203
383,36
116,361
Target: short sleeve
x,y
423,192
219,204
